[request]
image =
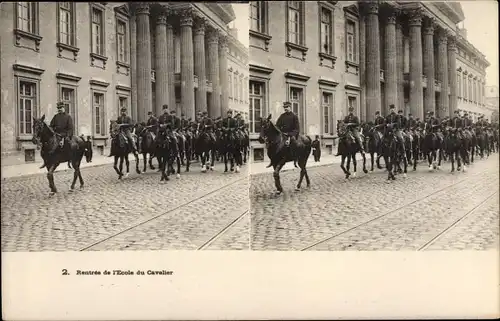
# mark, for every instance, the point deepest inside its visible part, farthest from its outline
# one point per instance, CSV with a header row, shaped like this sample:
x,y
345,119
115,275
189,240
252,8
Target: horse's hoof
x,y
203,170
52,194
72,189
237,169
178,176
404,175
211,168
354,174
430,168
139,172
225,171
464,169
297,189
438,168
126,175
81,186
365,171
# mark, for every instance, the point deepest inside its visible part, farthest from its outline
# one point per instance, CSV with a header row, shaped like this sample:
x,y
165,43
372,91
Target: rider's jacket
x,y
152,121
184,123
288,123
432,121
165,119
176,122
207,122
456,122
125,120
240,122
62,124
411,123
229,122
351,118
394,119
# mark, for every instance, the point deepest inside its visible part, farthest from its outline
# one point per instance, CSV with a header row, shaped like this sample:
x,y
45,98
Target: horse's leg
x,y
76,170
188,159
440,157
178,159
144,159
276,175
212,163
137,163
372,160
354,164
364,163
224,157
151,166
50,178
202,161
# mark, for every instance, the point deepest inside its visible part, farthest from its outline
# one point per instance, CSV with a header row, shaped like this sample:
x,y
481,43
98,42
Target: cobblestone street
x,y
197,211
422,212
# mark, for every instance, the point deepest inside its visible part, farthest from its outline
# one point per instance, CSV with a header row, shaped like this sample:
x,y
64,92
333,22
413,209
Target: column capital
x,y
415,17
452,43
443,35
392,15
213,35
223,42
141,8
429,26
161,18
199,25
371,8
186,17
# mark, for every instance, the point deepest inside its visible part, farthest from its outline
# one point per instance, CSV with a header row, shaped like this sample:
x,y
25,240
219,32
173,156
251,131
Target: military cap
x,y
391,106
466,114
60,104
410,115
431,113
400,111
150,113
173,111
165,106
456,112
182,115
377,113
205,112
351,108
287,104
229,111
123,109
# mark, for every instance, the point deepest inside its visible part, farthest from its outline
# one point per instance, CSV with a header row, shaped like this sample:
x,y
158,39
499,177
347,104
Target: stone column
x,y
452,75
442,69
362,64
400,66
161,65
187,63
372,59
223,75
133,66
170,65
429,99
213,72
144,90
390,58
416,86
199,64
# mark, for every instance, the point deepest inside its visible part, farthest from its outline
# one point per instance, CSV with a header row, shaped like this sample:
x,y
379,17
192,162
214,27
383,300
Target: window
x,y
352,102
27,16
235,87
121,41
27,106
122,103
99,124
68,98
66,23
326,31
459,84
470,89
296,101
97,31
241,89
230,84
464,86
295,23
327,113
351,41
256,105
258,16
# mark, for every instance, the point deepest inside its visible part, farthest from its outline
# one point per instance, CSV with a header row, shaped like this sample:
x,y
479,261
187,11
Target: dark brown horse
x,y
55,155
348,148
280,154
120,149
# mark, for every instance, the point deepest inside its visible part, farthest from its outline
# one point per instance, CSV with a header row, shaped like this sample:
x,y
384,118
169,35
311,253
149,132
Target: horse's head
x,y
266,129
38,126
341,128
114,128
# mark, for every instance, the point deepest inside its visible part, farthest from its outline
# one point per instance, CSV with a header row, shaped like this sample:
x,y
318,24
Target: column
x,y
400,66
187,63
213,72
390,58
199,64
429,72
223,75
362,63
144,90
372,59
416,86
161,84
442,69
452,75
133,66
170,65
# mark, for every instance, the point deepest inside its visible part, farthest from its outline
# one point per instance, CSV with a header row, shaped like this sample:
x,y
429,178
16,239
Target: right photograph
x,y
374,125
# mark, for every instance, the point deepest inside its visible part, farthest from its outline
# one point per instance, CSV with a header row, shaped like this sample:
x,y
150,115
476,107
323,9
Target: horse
x,y
206,148
347,149
391,152
187,153
179,152
230,147
44,135
280,154
166,153
120,148
413,153
148,145
433,148
455,148
481,141
373,143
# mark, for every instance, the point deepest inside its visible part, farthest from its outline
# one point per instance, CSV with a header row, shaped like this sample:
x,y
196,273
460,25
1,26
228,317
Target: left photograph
x,y
124,126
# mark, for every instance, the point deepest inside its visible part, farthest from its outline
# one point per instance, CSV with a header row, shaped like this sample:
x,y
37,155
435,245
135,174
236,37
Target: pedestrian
x,y
316,149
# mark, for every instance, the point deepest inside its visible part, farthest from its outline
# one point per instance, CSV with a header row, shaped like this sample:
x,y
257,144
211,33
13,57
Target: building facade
x,y
98,57
326,56
237,74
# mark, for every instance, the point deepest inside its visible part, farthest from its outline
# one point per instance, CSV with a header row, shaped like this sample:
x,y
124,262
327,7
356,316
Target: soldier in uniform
x,y
184,122
352,121
412,122
457,123
397,122
229,123
165,121
152,120
207,125
126,124
288,123
432,122
62,124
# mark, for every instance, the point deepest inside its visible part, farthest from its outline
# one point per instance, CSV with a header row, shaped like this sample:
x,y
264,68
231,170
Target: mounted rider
x,y
153,122
379,123
352,123
165,122
229,123
207,126
184,122
458,123
125,124
176,124
62,124
398,122
411,123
